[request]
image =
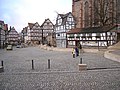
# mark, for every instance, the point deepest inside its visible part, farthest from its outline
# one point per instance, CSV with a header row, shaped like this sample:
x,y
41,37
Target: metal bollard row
x,y
33,64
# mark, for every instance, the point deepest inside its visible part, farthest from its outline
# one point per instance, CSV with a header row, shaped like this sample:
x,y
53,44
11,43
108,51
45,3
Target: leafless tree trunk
x,y
104,11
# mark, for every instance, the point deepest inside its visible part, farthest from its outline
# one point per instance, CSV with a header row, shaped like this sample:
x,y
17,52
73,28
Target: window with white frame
x,y
78,36
71,36
97,34
71,43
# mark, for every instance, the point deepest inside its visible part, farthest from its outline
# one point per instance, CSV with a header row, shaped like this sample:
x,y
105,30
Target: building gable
x,y
30,25
47,25
36,26
70,19
59,19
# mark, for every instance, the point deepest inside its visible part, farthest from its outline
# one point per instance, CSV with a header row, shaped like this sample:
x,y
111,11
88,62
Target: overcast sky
x,y
18,13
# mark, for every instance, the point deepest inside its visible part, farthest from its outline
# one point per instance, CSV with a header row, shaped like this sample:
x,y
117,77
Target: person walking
x,y
73,52
77,51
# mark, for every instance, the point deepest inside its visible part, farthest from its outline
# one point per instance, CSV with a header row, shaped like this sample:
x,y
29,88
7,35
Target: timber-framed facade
x,y
34,34
2,34
64,23
94,36
12,36
48,33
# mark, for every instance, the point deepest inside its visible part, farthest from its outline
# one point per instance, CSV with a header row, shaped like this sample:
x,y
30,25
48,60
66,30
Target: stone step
x,y
82,67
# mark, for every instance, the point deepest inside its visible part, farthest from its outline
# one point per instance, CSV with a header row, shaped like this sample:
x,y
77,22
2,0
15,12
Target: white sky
x,y
18,13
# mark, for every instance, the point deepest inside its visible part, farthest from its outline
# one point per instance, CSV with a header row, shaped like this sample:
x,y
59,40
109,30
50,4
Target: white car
x,y
9,47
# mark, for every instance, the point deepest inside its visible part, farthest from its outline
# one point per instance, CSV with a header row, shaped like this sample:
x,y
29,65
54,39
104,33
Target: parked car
x,y
18,46
9,47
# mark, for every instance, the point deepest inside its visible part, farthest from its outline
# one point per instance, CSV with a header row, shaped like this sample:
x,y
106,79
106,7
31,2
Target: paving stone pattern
x,y
117,52
63,74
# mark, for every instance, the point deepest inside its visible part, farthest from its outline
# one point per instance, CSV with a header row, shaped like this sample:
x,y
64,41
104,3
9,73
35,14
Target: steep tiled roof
x,y
64,17
12,30
75,30
45,22
1,21
90,30
24,30
31,25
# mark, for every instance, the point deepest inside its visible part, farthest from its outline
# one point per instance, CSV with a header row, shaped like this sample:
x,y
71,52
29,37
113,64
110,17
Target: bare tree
x,y
104,12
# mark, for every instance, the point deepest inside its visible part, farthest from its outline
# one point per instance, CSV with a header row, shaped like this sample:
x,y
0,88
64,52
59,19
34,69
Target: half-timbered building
x,y
64,23
93,36
12,36
48,34
24,35
118,32
6,32
2,34
34,34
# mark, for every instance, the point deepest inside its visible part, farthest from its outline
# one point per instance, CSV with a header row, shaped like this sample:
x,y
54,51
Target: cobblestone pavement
x,y
102,73
117,52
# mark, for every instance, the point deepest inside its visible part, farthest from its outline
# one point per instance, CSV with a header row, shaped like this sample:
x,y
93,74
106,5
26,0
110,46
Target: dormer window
x,y
59,21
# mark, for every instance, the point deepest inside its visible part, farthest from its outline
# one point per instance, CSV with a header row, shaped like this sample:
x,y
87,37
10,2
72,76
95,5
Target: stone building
x,y
90,13
118,11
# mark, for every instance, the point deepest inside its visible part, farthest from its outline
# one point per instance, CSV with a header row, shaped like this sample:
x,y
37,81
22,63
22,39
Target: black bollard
x,y
32,65
80,60
1,67
48,63
2,63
